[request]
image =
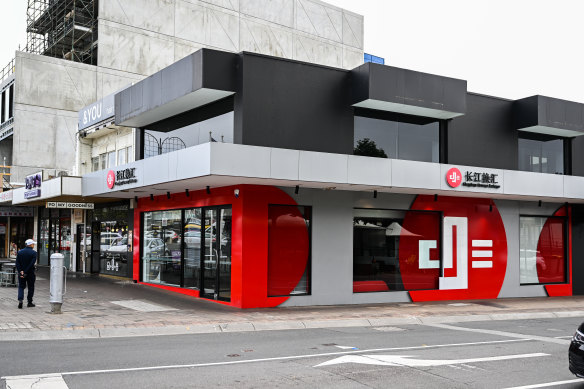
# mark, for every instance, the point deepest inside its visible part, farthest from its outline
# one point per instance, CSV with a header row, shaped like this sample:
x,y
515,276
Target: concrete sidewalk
x,y
99,307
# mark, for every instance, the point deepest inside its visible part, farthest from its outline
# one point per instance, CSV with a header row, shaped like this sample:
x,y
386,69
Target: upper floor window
x,y
397,136
541,153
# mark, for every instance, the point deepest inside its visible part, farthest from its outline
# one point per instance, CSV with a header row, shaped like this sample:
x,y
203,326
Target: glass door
x,y
216,269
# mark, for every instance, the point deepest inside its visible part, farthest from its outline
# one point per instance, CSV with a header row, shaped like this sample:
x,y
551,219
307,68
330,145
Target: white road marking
x,y
347,347
547,384
503,333
291,357
405,361
45,381
143,306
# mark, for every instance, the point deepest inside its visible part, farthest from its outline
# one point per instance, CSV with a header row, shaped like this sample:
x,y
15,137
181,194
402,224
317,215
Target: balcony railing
x,y
7,70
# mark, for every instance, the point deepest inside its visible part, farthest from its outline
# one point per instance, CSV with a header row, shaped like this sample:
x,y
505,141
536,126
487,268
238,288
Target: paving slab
x,y
102,307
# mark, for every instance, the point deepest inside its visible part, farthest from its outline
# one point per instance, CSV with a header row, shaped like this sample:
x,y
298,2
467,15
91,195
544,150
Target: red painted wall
x,y
249,244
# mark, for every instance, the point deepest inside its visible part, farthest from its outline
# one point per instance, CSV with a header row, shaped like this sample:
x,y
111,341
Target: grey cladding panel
x,y
205,68
151,91
549,112
177,79
402,86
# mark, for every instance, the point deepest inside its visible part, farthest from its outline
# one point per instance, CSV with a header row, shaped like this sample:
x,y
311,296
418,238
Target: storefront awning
x,y
222,164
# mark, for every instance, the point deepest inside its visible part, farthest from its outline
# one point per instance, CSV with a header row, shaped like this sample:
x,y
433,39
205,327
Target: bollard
x,y
58,285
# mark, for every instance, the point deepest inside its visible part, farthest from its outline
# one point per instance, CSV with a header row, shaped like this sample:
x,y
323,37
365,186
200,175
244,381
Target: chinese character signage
x,y
481,180
121,177
472,179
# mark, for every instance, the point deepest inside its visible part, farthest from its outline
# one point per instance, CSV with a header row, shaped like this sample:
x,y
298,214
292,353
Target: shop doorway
x,y
216,269
83,247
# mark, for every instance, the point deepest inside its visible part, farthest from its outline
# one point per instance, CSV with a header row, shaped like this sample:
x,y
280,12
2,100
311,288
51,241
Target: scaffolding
x,y
63,29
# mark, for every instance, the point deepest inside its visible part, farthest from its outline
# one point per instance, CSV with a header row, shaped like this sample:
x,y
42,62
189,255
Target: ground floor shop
x,y
16,226
269,246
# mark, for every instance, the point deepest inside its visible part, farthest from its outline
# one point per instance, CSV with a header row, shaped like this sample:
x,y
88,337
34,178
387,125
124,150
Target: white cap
x,y
29,242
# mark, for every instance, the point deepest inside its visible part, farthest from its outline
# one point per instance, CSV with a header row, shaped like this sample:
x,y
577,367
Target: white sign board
x,y
58,204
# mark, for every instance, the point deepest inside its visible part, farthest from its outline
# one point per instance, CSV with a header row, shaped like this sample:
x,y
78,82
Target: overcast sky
x,y
506,48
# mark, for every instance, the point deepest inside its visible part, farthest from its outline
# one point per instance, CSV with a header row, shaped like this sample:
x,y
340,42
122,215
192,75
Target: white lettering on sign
x,y
57,204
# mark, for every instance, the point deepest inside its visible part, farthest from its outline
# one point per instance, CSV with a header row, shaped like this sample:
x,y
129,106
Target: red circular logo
x,y
453,177
111,179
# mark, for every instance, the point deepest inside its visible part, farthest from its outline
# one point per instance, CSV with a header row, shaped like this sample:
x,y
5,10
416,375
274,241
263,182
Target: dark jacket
x,y
25,260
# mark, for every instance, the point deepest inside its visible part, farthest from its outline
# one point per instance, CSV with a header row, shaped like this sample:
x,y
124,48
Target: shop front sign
x,y
477,179
60,204
97,112
16,211
121,177
33,184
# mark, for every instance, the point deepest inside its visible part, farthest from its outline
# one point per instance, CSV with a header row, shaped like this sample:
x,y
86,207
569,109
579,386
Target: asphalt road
x,y
493,354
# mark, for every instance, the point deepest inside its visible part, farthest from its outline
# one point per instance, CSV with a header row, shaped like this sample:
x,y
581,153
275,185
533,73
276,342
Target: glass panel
x,y
395,250
397,139
43,246
95,164
111,159
65,239
130,156
288,250
210,254
102,161
225,254
121,157
541,156
217,129
192,248
375,138
419,142
161,253
542,250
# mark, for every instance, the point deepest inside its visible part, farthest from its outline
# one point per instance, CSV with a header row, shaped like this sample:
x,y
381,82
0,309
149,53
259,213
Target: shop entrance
x,y
216,269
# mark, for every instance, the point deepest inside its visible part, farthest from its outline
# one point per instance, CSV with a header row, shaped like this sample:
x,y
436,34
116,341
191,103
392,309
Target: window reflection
x,y
542,254
541,154
161,247
416,140
386,250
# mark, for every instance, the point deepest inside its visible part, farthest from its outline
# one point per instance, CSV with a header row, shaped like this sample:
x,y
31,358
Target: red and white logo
x,y
453,177
111,179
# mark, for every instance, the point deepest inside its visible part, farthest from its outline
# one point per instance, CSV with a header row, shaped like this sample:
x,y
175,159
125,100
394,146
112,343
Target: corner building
x,y
291,183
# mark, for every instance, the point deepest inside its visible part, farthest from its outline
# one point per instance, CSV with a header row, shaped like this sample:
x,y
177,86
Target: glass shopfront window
x,y
542,250
192,248
189,248
109,240
397,136
162,247
55,235
395,250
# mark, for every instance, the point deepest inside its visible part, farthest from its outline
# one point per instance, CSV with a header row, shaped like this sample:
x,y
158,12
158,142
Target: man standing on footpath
x,y
25,261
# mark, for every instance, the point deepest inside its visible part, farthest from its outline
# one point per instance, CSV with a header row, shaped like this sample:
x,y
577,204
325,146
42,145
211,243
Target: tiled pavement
x,y
102,307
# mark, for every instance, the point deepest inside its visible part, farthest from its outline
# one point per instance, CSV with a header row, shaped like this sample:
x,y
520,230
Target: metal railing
x,y
7,70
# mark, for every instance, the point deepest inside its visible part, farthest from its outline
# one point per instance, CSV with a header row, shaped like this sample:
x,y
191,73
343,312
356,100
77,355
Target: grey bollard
x,y
58,283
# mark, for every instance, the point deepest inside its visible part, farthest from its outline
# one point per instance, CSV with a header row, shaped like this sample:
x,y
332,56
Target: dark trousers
x,y
27,281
